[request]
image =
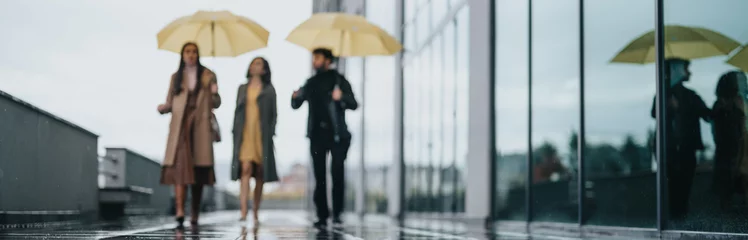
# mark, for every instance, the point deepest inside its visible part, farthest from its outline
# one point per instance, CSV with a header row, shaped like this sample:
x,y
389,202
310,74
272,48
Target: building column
x,y
480,149
395,187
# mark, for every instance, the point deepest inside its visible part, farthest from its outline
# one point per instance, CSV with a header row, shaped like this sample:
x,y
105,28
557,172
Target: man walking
x,y
329,94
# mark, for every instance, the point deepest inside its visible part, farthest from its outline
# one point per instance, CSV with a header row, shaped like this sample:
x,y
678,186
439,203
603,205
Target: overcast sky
x,y
96,64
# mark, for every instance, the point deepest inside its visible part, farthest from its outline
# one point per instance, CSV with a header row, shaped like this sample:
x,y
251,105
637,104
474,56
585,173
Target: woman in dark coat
x,y
254,127
729,135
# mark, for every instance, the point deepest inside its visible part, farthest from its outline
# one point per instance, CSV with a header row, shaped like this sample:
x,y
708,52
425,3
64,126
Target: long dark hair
x,y
728,86
180,71
265,68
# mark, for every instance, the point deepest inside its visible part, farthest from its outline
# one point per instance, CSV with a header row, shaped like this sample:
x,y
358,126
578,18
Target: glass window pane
x,y
354,74
421,3
410,38
412,130
555,108
410,10
424,124
380,114
437,122
439,12
462,93
448,114
618,97
419,127
423,27
512,106
703,187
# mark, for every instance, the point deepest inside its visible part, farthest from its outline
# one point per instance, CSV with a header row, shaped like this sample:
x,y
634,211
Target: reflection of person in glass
x,y
684,110
328,94
729,135
193,94
255,118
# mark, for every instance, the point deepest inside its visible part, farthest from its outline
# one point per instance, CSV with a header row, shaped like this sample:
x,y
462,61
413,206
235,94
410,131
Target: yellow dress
x,y
251,149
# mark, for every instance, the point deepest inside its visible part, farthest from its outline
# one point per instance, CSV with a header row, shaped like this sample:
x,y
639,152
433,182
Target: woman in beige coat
x,y
193,94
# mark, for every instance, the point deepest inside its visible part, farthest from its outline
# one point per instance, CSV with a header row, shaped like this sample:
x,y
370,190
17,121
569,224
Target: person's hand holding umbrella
x,y
214,88
337,94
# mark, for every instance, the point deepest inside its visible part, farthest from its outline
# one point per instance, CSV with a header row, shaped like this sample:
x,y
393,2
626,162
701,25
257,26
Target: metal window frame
x,y
581,142
528,186
493,176
661,117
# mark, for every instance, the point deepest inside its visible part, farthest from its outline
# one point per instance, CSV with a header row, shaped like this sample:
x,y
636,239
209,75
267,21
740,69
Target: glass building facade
x,y
380,117
525,112
435,80
576,130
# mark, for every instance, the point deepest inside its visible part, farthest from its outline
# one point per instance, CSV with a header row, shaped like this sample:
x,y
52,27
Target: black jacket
x,y
684,128
336,109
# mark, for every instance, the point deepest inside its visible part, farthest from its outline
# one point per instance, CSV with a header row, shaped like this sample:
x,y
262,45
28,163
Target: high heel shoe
x,y
180,222
194,218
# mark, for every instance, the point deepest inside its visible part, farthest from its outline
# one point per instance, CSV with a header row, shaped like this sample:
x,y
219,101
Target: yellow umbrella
x,y
345,34
216,33
681,42
740,59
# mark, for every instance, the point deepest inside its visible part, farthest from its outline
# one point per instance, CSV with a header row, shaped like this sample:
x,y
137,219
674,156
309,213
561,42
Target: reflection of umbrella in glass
x,y
740,59
345,34
216,33
680,42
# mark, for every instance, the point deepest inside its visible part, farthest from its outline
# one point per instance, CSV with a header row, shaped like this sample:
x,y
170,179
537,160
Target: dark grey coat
x,y
266,102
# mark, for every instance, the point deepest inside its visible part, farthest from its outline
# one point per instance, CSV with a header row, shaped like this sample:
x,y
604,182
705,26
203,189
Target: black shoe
x,y
180,222
320,223
337,221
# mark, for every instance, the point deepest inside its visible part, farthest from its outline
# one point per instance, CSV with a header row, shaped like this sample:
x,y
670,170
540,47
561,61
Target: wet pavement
x,y
225,225
275,224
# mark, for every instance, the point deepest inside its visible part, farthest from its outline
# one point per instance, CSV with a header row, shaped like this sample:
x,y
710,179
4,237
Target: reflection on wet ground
x,y
221,225
274,225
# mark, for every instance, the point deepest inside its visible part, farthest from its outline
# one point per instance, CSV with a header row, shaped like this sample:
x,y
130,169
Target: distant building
x,y
294,182
129,184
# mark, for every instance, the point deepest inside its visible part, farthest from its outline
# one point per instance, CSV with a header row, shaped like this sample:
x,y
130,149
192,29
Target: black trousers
x,y
320,145
681,168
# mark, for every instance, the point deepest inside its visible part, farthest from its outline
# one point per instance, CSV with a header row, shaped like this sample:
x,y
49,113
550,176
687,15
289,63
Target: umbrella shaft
x,y
213,38
342,43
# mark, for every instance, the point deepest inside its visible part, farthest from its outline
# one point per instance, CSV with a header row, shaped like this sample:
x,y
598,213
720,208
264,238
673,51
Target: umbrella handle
x,y
342,43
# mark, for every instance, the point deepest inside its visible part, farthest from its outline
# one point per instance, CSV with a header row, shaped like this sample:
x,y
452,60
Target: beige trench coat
x,y
203,142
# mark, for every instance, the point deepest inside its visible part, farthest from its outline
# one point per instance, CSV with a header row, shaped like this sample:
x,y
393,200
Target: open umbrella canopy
x,y
680,42
218,34
740,59
345,34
